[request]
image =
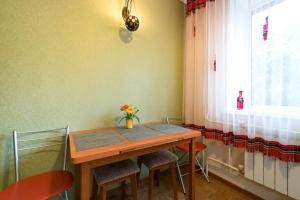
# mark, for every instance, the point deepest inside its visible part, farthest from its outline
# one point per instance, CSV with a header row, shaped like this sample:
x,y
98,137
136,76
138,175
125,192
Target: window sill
x,y
291,112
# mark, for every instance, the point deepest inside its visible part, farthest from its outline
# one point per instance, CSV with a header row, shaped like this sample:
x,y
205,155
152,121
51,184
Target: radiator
x,y
275,174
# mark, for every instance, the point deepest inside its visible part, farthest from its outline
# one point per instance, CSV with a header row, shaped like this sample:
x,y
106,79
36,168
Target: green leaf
x,y
137,118
121,119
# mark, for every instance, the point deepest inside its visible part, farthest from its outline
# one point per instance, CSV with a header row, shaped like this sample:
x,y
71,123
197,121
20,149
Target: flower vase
x,y
129,123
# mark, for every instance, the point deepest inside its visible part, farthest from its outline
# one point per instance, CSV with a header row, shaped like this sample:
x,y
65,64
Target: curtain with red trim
x,y
286,153
221,34
192,5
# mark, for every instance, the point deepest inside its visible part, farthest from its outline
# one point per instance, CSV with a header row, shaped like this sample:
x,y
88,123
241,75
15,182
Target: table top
x,y
95,144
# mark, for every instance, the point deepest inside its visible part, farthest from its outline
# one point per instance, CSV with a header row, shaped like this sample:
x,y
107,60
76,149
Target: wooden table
x,y
89,158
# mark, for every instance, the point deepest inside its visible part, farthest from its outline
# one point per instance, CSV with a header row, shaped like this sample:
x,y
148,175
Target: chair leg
x,y
134,190
66,195
206,167
180,176
203,158
174,183
202,169
150,187
139,163
103,192
123,189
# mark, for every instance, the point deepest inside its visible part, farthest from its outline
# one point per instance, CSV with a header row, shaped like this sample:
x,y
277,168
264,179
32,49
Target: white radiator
x,y
273,173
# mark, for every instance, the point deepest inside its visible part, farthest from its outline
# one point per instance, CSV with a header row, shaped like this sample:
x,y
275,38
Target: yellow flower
x,y
130,109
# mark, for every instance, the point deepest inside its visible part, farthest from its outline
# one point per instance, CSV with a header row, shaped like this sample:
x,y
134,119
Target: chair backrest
x,y
36,140
173,120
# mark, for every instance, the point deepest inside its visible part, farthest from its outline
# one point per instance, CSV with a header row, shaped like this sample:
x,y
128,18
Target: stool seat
x,y
158,159
198,147
42,186
115,171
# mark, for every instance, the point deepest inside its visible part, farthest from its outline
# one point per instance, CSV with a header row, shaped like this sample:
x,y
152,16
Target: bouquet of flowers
x,y
129,112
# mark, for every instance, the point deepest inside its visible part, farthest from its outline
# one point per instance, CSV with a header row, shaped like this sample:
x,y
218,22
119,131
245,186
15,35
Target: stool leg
x,y
150,187
156,177
94,189
174,183
103,192
139,163
123,188
134,189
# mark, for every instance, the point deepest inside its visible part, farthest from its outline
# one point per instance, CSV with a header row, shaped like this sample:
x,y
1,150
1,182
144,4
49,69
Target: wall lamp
x,y
131,22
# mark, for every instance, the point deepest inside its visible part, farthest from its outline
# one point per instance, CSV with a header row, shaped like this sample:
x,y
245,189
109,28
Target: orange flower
x,y
123,107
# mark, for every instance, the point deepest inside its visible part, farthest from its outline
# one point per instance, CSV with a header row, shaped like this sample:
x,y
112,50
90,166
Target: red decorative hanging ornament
x,y
265,29
240,101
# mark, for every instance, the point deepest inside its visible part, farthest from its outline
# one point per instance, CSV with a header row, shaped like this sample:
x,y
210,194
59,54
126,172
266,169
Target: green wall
x,y
70,62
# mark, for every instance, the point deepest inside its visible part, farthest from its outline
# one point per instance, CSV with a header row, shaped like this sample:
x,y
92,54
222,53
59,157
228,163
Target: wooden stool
x,y
155,162
117,172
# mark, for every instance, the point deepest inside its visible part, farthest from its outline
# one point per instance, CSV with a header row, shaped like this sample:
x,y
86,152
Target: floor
x,y
204,190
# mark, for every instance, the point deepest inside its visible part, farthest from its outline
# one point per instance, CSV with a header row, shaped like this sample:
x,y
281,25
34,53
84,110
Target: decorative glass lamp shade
x,y
132,23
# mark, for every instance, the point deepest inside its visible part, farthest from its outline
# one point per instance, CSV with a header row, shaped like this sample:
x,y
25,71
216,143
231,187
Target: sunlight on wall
x,y
64,62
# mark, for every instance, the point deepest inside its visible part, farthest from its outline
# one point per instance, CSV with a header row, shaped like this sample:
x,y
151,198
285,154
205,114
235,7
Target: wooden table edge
x,y
92,154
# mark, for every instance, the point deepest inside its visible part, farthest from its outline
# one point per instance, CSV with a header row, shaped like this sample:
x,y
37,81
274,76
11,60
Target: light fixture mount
x,y
131,22
125,12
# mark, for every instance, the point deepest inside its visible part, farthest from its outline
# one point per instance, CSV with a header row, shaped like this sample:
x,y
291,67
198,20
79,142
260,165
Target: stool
x,y
156,161
117,172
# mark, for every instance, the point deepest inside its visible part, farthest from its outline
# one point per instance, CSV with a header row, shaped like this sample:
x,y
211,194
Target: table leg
x,y
77,178
192,169
85,182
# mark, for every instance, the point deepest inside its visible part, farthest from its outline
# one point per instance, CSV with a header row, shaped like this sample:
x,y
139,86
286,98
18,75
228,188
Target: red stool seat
x,y
42,186
198,147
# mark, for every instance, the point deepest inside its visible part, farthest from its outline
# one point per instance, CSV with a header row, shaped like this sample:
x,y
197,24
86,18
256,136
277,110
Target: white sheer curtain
x,y
225,53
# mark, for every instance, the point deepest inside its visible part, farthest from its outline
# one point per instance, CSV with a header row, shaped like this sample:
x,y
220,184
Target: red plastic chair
x,y
184,148
45,185
199,148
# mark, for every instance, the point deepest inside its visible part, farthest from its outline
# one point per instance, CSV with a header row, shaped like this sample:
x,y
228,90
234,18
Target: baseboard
x,y
234,186
243,184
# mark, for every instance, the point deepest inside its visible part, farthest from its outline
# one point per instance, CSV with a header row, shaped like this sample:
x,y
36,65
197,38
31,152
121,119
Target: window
x,y
275,70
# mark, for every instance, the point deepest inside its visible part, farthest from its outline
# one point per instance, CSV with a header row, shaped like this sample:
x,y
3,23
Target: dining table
x,y
94,148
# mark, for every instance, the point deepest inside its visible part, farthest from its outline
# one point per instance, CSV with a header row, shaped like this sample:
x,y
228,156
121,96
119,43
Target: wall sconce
x,y
131,22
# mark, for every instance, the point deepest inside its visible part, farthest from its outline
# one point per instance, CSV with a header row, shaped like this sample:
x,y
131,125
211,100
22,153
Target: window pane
x,y
276,60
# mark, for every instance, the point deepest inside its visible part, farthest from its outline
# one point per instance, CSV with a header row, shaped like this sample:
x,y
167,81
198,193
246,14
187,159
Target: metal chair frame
x,y
16,149
201,167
